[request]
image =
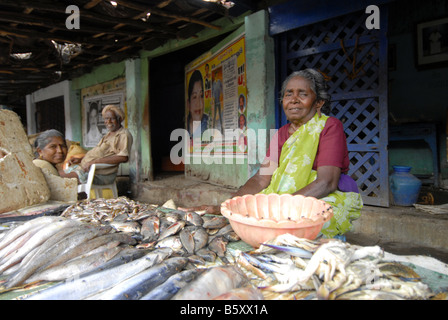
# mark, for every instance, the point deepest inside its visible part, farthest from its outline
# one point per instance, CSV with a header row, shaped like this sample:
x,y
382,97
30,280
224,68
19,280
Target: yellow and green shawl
x,y
295,171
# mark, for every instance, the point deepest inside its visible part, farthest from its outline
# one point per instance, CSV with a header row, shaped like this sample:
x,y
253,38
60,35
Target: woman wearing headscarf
x,y
114,148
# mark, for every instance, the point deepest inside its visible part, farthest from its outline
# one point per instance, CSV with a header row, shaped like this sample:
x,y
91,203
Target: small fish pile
x,y
99,211
288,267
201,238
54,248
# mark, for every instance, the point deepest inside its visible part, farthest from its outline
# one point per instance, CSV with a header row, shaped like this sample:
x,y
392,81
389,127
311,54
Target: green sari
x,y
295,171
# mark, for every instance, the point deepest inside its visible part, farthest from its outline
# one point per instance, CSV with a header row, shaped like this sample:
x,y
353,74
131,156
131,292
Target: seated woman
x,y
309,155
114,148
51,151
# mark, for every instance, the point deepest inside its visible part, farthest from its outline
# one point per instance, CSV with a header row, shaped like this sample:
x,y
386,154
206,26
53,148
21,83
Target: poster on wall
x,y
216,100
93,124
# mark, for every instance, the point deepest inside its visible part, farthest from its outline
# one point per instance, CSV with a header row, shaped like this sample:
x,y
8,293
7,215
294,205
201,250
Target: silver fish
x,y
215,222
206,254
172,242
186,237
54,254
83,287
75,267
172,285
172,229
37,239
90,245
126,255
200,237
212,283
219,246
26,268
150,229
194,219
25,227
126,226
140,284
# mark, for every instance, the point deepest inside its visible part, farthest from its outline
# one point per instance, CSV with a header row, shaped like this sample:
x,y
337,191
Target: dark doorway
x,y
167,101
50,114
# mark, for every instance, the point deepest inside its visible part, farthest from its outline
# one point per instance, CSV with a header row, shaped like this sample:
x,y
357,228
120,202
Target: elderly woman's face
x,y
299,101
55,151
196,103
111,121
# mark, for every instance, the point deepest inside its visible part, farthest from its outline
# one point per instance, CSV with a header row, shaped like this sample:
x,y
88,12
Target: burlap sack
x,y
21,183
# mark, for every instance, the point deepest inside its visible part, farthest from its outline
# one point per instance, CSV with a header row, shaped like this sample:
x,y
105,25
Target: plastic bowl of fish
x,y
259,218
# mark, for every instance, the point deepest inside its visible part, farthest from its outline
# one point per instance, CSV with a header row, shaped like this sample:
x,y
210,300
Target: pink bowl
x,y
259,218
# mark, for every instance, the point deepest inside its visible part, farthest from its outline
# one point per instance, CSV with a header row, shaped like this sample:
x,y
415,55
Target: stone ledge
x,y
404,225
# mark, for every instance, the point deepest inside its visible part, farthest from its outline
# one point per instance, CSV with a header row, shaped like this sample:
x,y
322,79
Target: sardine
x,y
172,285
140,284
212,283
83,287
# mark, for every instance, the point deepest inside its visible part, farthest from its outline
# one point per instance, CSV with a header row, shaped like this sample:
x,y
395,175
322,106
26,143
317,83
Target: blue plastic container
x,y
404,186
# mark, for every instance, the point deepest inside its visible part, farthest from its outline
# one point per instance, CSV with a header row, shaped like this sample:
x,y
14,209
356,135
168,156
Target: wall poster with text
x,y
216,102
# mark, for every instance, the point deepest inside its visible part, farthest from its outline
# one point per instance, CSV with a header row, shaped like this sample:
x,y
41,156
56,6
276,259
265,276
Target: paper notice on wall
x,y
230,112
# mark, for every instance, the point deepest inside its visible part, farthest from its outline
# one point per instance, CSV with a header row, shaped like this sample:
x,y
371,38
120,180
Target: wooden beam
x,y
89,15
164,13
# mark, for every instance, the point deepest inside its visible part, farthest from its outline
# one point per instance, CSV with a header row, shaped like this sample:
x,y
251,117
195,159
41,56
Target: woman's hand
x,y
74,160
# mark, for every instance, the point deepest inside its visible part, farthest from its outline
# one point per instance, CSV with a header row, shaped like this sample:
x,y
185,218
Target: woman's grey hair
x,y
317,84
44,138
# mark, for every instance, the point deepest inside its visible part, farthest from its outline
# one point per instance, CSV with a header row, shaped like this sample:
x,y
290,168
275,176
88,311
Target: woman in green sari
x,y
309,155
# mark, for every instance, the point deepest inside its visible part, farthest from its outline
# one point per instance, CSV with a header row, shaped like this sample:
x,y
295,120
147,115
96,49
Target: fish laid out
x,y
56,248
120,249
202,237
292,268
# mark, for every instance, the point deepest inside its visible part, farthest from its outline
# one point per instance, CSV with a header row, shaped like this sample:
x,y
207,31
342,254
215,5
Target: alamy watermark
x,y
213,147
73,21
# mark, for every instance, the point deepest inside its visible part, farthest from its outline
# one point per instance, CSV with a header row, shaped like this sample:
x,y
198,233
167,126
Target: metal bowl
x,y
259,218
